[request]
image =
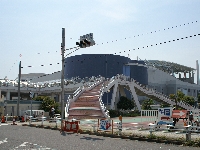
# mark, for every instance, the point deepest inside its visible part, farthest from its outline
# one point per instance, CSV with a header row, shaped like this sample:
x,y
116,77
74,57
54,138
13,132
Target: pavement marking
x,y
27,145
4,141
1,124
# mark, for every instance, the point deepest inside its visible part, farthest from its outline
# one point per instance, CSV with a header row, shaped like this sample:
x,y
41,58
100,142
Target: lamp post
x,y
62,77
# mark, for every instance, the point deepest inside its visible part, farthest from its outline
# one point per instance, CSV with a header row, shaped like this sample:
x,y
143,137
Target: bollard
x,y
14,119
94,126
119,127
188,136
6,118
42,121
30,120
56,122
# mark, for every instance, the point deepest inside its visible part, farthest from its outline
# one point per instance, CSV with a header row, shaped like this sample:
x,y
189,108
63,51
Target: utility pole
x,y
19,78
62,77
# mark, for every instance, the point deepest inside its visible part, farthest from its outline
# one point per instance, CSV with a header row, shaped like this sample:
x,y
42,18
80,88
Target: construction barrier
x,y
71,126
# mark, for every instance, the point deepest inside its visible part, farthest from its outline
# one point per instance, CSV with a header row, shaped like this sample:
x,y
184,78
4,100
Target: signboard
x,y
71,126
105,124
179,113
164,116
31,94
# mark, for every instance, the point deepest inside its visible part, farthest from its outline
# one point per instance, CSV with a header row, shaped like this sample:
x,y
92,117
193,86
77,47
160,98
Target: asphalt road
x,y
26,138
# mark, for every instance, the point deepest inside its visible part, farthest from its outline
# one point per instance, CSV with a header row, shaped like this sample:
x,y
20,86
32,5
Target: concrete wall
x,y
163,82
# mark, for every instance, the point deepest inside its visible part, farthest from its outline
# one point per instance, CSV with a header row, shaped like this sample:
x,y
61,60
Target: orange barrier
x,y
22,119
3,119
71,126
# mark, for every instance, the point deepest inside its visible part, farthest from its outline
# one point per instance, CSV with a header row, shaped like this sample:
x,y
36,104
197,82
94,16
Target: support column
x,y
52,95
59,97
121,90
36,95
8,95
117,98
114,96
132,89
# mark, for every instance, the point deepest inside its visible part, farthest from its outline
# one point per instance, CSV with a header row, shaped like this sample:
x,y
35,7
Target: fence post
x,y
112,126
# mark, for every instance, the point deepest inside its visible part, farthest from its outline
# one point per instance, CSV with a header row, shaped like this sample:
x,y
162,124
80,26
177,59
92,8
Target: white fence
x,y
149,115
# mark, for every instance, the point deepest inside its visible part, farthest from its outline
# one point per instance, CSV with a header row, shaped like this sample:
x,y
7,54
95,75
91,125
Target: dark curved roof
x,y
168,66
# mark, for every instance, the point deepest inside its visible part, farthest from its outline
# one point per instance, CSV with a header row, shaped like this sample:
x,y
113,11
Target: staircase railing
x,y
162,97
103,108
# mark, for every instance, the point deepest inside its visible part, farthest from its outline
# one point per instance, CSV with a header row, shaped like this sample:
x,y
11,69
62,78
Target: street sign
x,y
105,124
179,113
164,116
31,94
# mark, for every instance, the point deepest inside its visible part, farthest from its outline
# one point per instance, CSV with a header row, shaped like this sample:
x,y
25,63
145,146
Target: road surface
x,y
21,137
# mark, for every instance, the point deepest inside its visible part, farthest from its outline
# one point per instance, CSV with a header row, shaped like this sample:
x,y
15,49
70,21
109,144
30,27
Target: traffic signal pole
x,y
62,78
19,78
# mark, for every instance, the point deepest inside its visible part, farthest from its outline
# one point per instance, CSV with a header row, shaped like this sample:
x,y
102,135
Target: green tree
x,y
189,99
198,98
39,98
125,103
177,98
163,105
146,105
47,102
182,97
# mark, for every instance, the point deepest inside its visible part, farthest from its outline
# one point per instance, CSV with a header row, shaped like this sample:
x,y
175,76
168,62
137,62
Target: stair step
x,y
85,113
85,104
84,108
85,117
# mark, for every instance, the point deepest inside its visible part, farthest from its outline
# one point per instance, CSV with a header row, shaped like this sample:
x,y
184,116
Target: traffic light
x,y
82,44
86,41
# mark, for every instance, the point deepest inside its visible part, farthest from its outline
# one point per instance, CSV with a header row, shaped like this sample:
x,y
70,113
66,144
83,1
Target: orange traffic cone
x,y
3,120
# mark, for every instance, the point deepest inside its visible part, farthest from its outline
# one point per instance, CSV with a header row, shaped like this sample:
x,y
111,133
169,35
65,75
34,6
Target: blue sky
x,y
34,26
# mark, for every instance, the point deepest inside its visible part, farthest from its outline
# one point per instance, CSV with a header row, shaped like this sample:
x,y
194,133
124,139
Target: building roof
x,y
168,66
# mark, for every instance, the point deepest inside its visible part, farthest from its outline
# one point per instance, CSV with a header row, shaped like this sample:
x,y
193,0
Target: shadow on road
x,y
90,138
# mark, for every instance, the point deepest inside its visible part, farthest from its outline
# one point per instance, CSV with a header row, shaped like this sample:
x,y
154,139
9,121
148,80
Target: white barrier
x,y
149,115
